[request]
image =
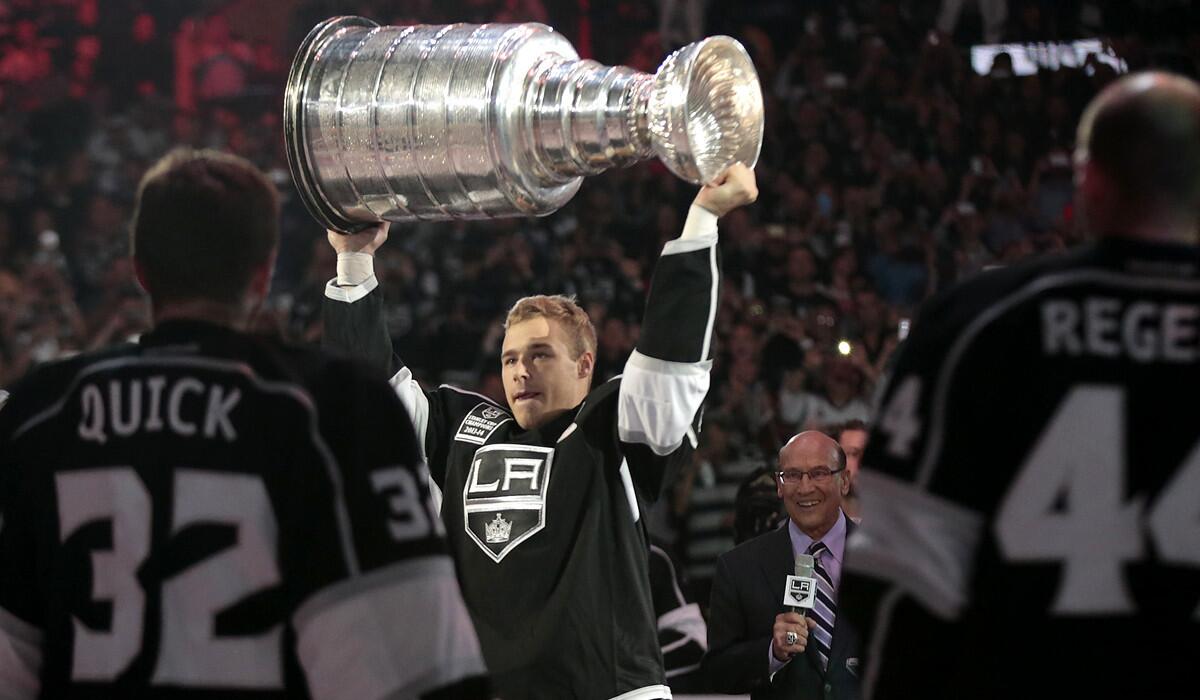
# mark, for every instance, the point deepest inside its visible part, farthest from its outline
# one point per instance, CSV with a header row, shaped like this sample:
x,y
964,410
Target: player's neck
x,y
231,315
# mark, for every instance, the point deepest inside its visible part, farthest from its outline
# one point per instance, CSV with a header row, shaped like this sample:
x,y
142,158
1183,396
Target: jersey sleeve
x,y
356,326
667,376
909,564
379,612
21,627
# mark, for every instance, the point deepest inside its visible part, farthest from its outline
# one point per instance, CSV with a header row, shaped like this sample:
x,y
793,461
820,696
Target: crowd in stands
x,y
890,169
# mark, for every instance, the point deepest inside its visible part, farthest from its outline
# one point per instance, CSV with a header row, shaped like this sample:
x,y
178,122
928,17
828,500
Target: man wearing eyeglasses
x,y
755,645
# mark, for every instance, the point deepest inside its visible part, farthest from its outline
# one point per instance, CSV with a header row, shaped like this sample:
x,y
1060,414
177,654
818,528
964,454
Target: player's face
x,y
812,505
853,442
541,379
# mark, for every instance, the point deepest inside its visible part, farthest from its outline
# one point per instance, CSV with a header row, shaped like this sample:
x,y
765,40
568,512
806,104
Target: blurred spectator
x,y
844,279
680,22
873,339
137,62
704,500
757,505
993,12
615,345
797,285
852,436
799,407
842,399
222,63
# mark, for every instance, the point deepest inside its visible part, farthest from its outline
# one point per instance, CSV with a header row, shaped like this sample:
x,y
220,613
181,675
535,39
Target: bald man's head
x,y
813,441
813,481
1139,142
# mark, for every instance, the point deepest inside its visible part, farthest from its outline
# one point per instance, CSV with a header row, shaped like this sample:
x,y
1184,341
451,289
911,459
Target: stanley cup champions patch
x,y
479,424
504,500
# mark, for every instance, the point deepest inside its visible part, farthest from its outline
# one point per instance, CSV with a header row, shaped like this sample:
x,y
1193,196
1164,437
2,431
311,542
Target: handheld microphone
x,y
800,591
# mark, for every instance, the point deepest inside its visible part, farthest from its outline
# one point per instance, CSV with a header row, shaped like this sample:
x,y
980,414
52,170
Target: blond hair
x,y
559,308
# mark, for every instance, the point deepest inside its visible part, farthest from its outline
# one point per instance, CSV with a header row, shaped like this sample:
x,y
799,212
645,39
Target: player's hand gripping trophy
x,y
481,121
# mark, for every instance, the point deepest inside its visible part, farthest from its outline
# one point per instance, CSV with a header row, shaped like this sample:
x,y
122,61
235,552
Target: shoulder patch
x,y
480,422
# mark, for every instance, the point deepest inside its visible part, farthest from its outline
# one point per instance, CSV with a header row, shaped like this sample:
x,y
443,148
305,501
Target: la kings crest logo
x,y
504,500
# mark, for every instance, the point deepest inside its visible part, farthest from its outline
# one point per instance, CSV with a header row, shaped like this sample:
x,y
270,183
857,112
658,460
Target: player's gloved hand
x,y
366,241
734,187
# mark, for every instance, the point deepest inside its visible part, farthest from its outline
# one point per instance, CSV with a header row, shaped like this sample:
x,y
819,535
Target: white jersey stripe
x,y
922,543
650,692
20,658
658,400
349,636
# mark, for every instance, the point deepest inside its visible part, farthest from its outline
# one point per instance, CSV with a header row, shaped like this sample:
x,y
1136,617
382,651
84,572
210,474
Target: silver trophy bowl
x,y
468,121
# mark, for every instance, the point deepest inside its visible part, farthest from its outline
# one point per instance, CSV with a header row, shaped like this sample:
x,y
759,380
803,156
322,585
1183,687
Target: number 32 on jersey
x,y
190,653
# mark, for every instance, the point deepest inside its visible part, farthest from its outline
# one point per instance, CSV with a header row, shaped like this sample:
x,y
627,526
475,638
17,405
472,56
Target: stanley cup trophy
x,y
468,121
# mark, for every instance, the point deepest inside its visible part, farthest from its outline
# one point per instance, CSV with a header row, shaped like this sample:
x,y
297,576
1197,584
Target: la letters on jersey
x,y
1144,331
184,406
504,501
480,423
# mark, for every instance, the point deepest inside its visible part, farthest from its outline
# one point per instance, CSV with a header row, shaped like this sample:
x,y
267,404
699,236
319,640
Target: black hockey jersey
x,y
545,524
210,515
682,632
1031,488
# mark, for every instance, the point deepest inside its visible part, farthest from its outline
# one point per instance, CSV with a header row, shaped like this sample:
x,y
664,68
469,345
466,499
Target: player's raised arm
x,y
357,325
667,376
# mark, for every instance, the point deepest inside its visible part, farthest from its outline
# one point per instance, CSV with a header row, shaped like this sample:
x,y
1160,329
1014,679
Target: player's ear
x,y
585,364
260,280
1092,184
140,273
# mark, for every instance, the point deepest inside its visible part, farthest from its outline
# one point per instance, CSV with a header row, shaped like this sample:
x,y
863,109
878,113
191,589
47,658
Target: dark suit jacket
x,y
747,594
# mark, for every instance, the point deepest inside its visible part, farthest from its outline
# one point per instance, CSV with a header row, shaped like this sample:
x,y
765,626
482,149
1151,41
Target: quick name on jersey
x,y
185,406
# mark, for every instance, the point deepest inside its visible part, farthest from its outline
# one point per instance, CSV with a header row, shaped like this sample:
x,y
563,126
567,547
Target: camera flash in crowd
x,y
844,347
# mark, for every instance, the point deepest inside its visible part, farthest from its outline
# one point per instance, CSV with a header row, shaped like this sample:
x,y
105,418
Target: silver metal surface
x,y
468,121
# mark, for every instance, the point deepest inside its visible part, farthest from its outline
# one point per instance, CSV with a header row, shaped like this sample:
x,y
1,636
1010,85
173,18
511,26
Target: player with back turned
x,y
207,514
541,497
1031,520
